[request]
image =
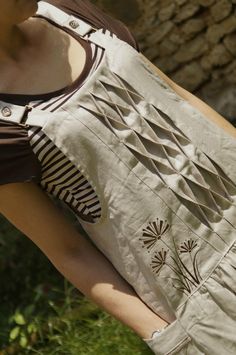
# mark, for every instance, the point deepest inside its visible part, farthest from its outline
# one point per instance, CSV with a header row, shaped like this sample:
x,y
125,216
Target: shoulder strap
x,y
17,114
63,19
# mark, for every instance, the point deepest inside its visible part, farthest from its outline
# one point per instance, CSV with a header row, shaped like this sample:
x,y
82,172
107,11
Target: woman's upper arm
x,y
31,211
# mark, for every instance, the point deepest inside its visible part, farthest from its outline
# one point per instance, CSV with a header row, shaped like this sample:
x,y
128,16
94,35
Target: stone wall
x,y
192,41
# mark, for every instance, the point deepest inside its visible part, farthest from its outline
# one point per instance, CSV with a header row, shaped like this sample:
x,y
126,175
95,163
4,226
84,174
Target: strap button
x,y
6,111
74,24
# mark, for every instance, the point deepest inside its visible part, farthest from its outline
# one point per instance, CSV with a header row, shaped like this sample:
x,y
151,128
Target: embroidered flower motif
x,y
184,271
159,260
153,232
187,246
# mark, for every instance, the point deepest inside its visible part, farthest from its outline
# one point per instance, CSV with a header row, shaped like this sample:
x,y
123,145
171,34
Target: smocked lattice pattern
x,y
197,181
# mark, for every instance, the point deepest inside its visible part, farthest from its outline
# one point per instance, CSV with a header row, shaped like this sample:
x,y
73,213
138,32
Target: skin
x,y
31,46
14,35
69,251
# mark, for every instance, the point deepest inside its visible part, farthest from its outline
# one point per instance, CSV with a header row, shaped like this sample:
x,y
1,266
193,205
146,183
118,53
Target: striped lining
x,y
60,177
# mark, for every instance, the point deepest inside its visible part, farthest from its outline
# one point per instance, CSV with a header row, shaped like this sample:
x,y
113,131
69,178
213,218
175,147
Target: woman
x,y
107,133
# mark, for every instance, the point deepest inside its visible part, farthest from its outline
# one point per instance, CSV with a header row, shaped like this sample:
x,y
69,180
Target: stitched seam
x,y
179,346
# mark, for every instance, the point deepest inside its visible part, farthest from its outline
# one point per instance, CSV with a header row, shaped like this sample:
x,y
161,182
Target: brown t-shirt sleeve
x,y
17,160
18,163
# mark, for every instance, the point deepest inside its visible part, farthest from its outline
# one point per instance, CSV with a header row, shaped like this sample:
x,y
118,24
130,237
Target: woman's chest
x,y
55,63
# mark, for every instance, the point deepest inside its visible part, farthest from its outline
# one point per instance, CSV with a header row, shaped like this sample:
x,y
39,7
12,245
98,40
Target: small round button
x,y
6,111
74,24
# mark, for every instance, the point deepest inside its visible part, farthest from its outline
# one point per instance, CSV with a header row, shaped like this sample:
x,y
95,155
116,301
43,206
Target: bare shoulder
x,y
32,211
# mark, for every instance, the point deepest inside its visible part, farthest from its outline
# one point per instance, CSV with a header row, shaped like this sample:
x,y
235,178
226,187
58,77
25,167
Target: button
x,y
6,111
74,24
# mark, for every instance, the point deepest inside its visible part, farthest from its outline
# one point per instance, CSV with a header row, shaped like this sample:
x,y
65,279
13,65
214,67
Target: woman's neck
x,y
13,41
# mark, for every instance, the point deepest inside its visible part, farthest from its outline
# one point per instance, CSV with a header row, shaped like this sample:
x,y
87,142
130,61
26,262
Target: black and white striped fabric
x,y
60,177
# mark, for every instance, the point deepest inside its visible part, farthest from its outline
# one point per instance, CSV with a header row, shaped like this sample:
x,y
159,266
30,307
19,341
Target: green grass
x,y
42,313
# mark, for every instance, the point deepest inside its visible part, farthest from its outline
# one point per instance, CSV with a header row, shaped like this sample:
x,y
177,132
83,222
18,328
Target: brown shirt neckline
x,y
25,98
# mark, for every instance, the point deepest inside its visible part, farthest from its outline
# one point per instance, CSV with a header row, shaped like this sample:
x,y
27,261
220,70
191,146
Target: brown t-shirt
x,y
18,162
